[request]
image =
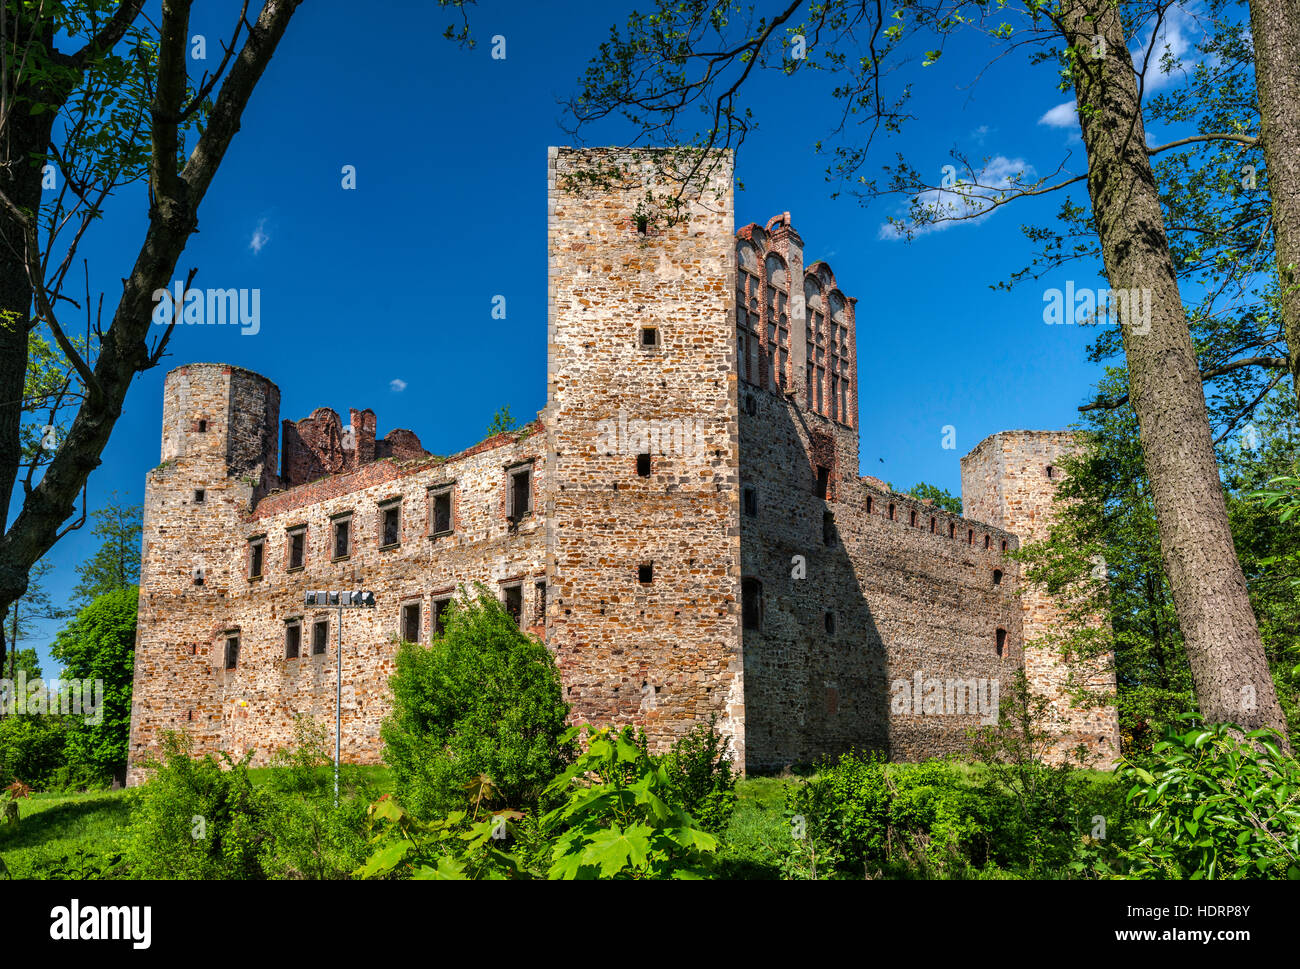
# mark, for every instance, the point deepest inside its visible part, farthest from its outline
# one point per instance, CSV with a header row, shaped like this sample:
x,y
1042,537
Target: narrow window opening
x,y
320,631
440,608
749,502
891,511
645,574
539,602
1004,544
1051,471
392,526
912,520
952,529
988,540
232,652
869,504
297,549
1001,640
342,538
828,528
643,465
970,536
933,524
521,493
514,601
442,512
823,481
292,640
997,576
203,427
199,496
255,550
829,620
411,622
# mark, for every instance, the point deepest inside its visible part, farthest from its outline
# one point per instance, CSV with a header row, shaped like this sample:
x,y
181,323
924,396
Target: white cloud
x,y
999,174
260,237
1178,36
397,385
1061,116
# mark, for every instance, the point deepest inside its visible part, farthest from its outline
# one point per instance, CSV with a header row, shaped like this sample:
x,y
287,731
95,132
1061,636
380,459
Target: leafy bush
x,y
618,819
483,699
1215,806
198,818
453,847
32,750
701,778
313,837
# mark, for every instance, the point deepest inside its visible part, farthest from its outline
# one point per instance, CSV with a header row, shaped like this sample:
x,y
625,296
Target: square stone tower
x,y
1009,481
643,542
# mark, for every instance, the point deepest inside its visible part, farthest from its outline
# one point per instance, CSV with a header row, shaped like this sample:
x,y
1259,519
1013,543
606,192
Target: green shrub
x,y
198,818
483,700
32,750
313,837
618,819
701,778
1215,806
451,848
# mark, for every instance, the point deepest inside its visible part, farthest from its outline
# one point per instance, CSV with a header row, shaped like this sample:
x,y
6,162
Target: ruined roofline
x,y
212,365
941,513
277,502
1007,434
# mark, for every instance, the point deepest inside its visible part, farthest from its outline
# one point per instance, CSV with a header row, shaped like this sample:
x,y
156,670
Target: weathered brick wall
x,y
181,679
1005,480
665,654
894,588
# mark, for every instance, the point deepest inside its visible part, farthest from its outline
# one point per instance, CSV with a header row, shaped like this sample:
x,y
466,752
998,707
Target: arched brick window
x,y
748,295
776,314
816,303
838,351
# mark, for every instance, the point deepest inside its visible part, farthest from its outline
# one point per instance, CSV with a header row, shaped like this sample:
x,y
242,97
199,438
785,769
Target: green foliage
x,y
455,847
81,865
1215,806
941,497
313,837
99,645
198,818
618,819
701,778
483,699
502,422
116,563
32,750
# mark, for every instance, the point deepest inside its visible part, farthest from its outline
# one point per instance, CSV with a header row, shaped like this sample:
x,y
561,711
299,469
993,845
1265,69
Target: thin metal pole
x,y
338,709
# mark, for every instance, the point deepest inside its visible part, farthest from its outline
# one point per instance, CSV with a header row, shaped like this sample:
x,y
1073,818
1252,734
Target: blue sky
x,y
391,285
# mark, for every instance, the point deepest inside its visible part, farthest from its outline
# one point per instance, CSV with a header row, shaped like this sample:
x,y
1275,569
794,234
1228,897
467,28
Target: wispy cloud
x,y
397,385
260,237
948,208
1061,116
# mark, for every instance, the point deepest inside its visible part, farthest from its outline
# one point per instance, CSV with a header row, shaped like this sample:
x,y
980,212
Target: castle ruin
x,y
684,524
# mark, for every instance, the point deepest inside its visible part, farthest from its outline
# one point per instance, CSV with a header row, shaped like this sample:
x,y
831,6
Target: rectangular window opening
x,y
392,526
292,640
411,622
320,632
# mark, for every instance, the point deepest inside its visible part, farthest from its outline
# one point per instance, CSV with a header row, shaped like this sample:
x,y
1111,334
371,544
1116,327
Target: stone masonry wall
x,y
1010,478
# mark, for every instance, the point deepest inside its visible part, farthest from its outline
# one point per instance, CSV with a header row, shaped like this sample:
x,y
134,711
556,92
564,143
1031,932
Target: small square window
x,y
649,336
645,574
297,548
232,652
643,465
292,639
391,526
411,622
199,496
320,632
203,427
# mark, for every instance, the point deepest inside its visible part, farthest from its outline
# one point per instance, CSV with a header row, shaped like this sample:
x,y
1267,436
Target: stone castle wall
x,y
698,542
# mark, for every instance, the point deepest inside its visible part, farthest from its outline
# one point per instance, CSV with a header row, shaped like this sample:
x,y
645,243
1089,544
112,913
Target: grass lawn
x,y
759,834
53,826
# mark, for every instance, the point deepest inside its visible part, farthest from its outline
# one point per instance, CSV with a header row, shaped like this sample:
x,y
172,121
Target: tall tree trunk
x,y
1224,650
1275,30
